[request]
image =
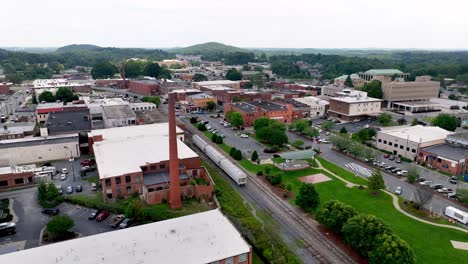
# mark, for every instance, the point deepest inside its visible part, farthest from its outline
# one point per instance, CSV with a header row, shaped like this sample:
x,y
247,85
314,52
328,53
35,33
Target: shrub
x,y
254,156
214,137
391,249
202,127
59,225
193,120
259,173
238,155
334,214
275,179
308,198
219,140
232,151
298,143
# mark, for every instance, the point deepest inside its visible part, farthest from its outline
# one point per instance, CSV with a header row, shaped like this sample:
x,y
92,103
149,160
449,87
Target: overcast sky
x,y
427,24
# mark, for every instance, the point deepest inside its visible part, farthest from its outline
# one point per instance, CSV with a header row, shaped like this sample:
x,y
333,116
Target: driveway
x,y
73,176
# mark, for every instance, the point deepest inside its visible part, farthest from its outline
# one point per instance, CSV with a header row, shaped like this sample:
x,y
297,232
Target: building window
x,y
118,180
153,167
402,147
242,258
390,144
144,168
229,261
162,166
3,183
439,160
129,189
385,141
128,178
108,182
413,150
407,148
30,179
109,195
19,181
380,140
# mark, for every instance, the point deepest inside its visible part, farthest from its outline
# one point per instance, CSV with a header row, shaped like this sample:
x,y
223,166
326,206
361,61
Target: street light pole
x,y
73,165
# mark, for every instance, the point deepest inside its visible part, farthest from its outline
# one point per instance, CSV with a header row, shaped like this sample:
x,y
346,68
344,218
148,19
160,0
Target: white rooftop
x,y
218,82
356,99
418,133
125,149
199,238
17,169
311,100
219,88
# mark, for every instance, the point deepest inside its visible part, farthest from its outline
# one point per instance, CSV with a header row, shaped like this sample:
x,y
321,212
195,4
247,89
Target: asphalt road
x,y
9,106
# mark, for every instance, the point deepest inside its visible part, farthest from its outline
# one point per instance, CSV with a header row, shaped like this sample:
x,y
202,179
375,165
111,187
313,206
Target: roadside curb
x,y
12,212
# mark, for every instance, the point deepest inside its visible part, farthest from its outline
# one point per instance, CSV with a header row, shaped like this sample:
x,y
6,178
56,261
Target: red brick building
x,y
5,88
144,87
250,111
16,176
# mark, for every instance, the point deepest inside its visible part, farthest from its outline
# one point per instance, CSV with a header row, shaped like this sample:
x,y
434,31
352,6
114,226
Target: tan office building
x,y
351,108
420,90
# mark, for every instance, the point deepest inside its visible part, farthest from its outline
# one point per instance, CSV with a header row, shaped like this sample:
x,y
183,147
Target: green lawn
x,y
343,173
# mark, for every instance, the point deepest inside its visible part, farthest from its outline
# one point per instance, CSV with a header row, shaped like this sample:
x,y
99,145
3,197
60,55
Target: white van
x,y
456,214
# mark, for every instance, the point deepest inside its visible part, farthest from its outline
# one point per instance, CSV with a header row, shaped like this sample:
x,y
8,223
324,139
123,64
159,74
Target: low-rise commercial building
x,y
250,111
318,107
408,141
144,87
226,83
38,149
118,115
5,87
16,176
354,106
17,130
136,160
207,237
332,90
52,85
43,110
383,75
357,81
69,122
200,100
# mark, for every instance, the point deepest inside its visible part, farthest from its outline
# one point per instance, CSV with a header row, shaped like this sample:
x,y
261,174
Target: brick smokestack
x,y
122,73
174,185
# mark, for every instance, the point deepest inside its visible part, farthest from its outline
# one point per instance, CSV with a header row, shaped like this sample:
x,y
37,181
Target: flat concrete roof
x,y
123,133
36,141
217,82
418,133
198,238
356,99
118,111
448,151
69,121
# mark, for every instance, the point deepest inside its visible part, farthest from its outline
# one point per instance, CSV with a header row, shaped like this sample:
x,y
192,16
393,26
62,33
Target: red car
x,y
386,156
88,162
102,216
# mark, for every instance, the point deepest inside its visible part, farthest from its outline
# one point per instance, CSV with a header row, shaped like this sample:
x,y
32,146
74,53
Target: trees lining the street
x,y
235,118
270,131
446,121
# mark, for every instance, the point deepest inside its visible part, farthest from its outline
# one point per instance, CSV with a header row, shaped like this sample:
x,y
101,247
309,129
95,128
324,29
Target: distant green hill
x,y
208,48
77,47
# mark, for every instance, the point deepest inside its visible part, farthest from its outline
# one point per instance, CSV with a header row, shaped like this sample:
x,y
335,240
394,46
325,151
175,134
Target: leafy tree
x,y
238,155
278,137
261,122
376,181
446,121
193,120
390,249
365,134
104,70
165,73
236,58
232,152
233,74
340,143
211,105
152,99
254,156
134,68
385,119
214,137
308,198
356,149
301,125
343,130
258,68
328,125
349,82
271,131
47,97
246,67
197,77
298,143
257,80
219,140
152,69
414,121
59,225
361,230
133,209
453,97
413,174
235,118
202,127
64,94
312,132
422,197
334,214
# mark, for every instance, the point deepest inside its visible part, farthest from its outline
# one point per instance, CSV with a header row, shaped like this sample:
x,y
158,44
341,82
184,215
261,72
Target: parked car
x,y
437,186
244,136
7,229
386,156
389,167
399,190
398,160
402,173
117,220
94,214
93,187
383,165
126,223
51,211
444,190
452,195
88,168
102,216
64,170
79,188
70,189
59,188
88,162
453,180
395,170
425,182
324,141
421,179
63,177
391,157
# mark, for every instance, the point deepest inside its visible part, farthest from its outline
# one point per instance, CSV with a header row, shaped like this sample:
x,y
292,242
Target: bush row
x,y
366,234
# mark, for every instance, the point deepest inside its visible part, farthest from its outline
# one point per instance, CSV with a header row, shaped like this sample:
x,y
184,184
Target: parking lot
x,y
83,225
73,177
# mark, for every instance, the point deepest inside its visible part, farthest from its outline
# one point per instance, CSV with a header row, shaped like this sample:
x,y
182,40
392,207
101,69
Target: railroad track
x,y
317,247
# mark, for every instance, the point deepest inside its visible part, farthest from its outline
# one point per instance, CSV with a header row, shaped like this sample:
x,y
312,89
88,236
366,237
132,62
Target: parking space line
x,y
73,211
83,212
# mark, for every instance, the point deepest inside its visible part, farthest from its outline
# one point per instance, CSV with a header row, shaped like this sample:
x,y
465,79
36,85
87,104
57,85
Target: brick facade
x,y
10,180
144,87
5,88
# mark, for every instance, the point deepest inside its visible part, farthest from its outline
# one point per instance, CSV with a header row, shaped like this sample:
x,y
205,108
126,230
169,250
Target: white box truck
x,y
456,214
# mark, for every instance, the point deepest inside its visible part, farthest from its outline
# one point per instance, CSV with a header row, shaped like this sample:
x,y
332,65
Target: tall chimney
x,y
122,73
174,185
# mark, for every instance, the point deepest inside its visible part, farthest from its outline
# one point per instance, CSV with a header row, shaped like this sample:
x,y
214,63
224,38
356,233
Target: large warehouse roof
x,y
418,133
199,238
122,133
